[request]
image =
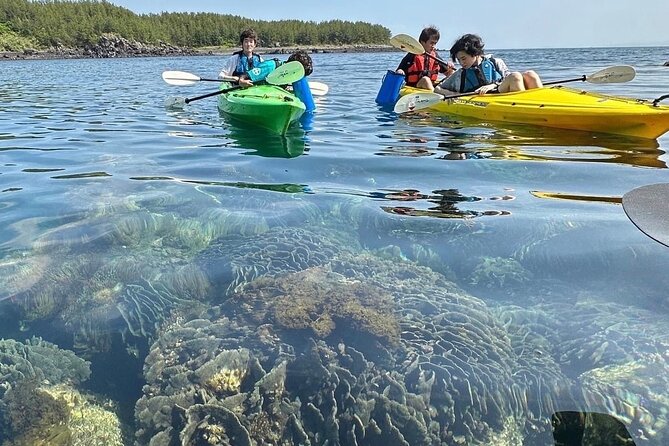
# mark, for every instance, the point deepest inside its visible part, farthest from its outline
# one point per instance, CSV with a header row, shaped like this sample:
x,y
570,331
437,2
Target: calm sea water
x,y
122,220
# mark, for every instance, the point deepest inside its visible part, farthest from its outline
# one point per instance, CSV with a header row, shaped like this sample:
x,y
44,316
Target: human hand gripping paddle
x,y
610,75
283,75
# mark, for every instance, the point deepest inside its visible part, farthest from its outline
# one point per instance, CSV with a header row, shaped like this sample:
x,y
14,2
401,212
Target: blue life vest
x,y
245,64
483,74
260,71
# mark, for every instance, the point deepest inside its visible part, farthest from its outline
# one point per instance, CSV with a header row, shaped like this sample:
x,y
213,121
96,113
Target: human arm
x,y
450,85
405,63
447,68
229,66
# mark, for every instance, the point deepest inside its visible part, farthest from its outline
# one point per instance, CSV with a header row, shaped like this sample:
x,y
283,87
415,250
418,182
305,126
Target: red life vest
x,y
422,66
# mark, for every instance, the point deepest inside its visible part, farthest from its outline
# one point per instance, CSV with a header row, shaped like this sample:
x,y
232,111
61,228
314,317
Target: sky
x,y
502,24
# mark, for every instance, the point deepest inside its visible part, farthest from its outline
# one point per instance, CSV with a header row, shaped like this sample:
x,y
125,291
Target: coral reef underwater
x,y
254,332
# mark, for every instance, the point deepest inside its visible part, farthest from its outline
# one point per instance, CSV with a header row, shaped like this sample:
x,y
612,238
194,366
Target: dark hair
x,y
302,57
470,44
248,33
428,32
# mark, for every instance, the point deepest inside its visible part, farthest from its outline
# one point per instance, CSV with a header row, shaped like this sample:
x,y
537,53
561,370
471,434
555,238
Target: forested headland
x,y
39,25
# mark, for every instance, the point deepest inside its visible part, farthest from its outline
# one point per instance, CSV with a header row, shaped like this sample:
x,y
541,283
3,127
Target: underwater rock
x,y
29,416
323,303
88,423
55,415
457,355
39,361
20,271
145,306
449,378
211,424
613,356
305,397
634,393
499,272
97,297
232,262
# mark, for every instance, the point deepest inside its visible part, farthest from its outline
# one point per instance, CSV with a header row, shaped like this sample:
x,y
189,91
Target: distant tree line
x,y
49,23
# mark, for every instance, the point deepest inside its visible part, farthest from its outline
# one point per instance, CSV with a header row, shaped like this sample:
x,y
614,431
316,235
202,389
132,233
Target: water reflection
x,y
459,140
441,203
260,142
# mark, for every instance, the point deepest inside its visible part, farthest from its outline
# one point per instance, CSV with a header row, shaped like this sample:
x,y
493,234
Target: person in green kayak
x,y
422,70
481,73
243,60
248,67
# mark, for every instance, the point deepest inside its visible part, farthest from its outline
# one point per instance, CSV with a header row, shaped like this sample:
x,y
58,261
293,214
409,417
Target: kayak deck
x,y
266,106
562,107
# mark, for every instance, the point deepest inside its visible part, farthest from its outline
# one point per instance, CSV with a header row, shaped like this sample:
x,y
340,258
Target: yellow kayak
x,y
560,107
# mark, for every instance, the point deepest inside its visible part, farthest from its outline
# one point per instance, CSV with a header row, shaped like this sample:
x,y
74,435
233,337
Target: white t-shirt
x,y
231,65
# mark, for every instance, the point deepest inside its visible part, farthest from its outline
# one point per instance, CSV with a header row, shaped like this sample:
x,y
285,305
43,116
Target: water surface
x,y
500,255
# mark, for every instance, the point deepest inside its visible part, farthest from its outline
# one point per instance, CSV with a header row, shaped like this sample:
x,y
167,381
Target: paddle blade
x,y
416,101
648,208
611,75
180,78
286,74
175,102
407,43
318,88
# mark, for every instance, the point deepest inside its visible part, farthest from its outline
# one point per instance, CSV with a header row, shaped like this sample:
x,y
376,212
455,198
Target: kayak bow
x,y
265,106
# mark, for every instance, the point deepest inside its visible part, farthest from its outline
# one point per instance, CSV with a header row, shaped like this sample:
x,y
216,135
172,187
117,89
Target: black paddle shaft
x,y
215,93
576,79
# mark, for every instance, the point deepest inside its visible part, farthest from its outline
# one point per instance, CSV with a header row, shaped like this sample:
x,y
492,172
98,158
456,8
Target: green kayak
x,y
266,106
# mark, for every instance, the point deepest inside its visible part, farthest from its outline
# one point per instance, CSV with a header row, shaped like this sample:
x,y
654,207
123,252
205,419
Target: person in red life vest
x,y
421,70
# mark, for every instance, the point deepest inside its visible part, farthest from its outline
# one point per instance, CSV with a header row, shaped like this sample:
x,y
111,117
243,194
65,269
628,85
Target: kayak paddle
x,y
184,78
409,44
318,88
648,209
283,75
421,100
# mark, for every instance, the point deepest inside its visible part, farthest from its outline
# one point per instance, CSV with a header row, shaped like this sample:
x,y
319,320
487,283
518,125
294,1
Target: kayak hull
x,y
266,106
564,108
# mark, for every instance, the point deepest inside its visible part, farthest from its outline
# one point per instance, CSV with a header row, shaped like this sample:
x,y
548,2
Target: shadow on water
x,y
263,143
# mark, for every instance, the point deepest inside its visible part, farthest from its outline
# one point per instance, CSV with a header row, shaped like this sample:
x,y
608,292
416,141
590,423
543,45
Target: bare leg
x,y
425,83
532,80
513,82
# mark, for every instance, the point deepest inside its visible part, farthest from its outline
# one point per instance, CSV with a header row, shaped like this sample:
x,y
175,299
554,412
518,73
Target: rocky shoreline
x,y
111,46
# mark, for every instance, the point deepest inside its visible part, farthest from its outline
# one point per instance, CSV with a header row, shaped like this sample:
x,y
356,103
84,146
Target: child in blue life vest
x,y
244,60
421,70
482,73
249,67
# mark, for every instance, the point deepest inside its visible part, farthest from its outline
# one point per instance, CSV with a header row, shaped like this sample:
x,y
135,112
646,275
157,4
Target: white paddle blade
x,y
611,75
416,101
407,43
175,102
180,78
318,88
